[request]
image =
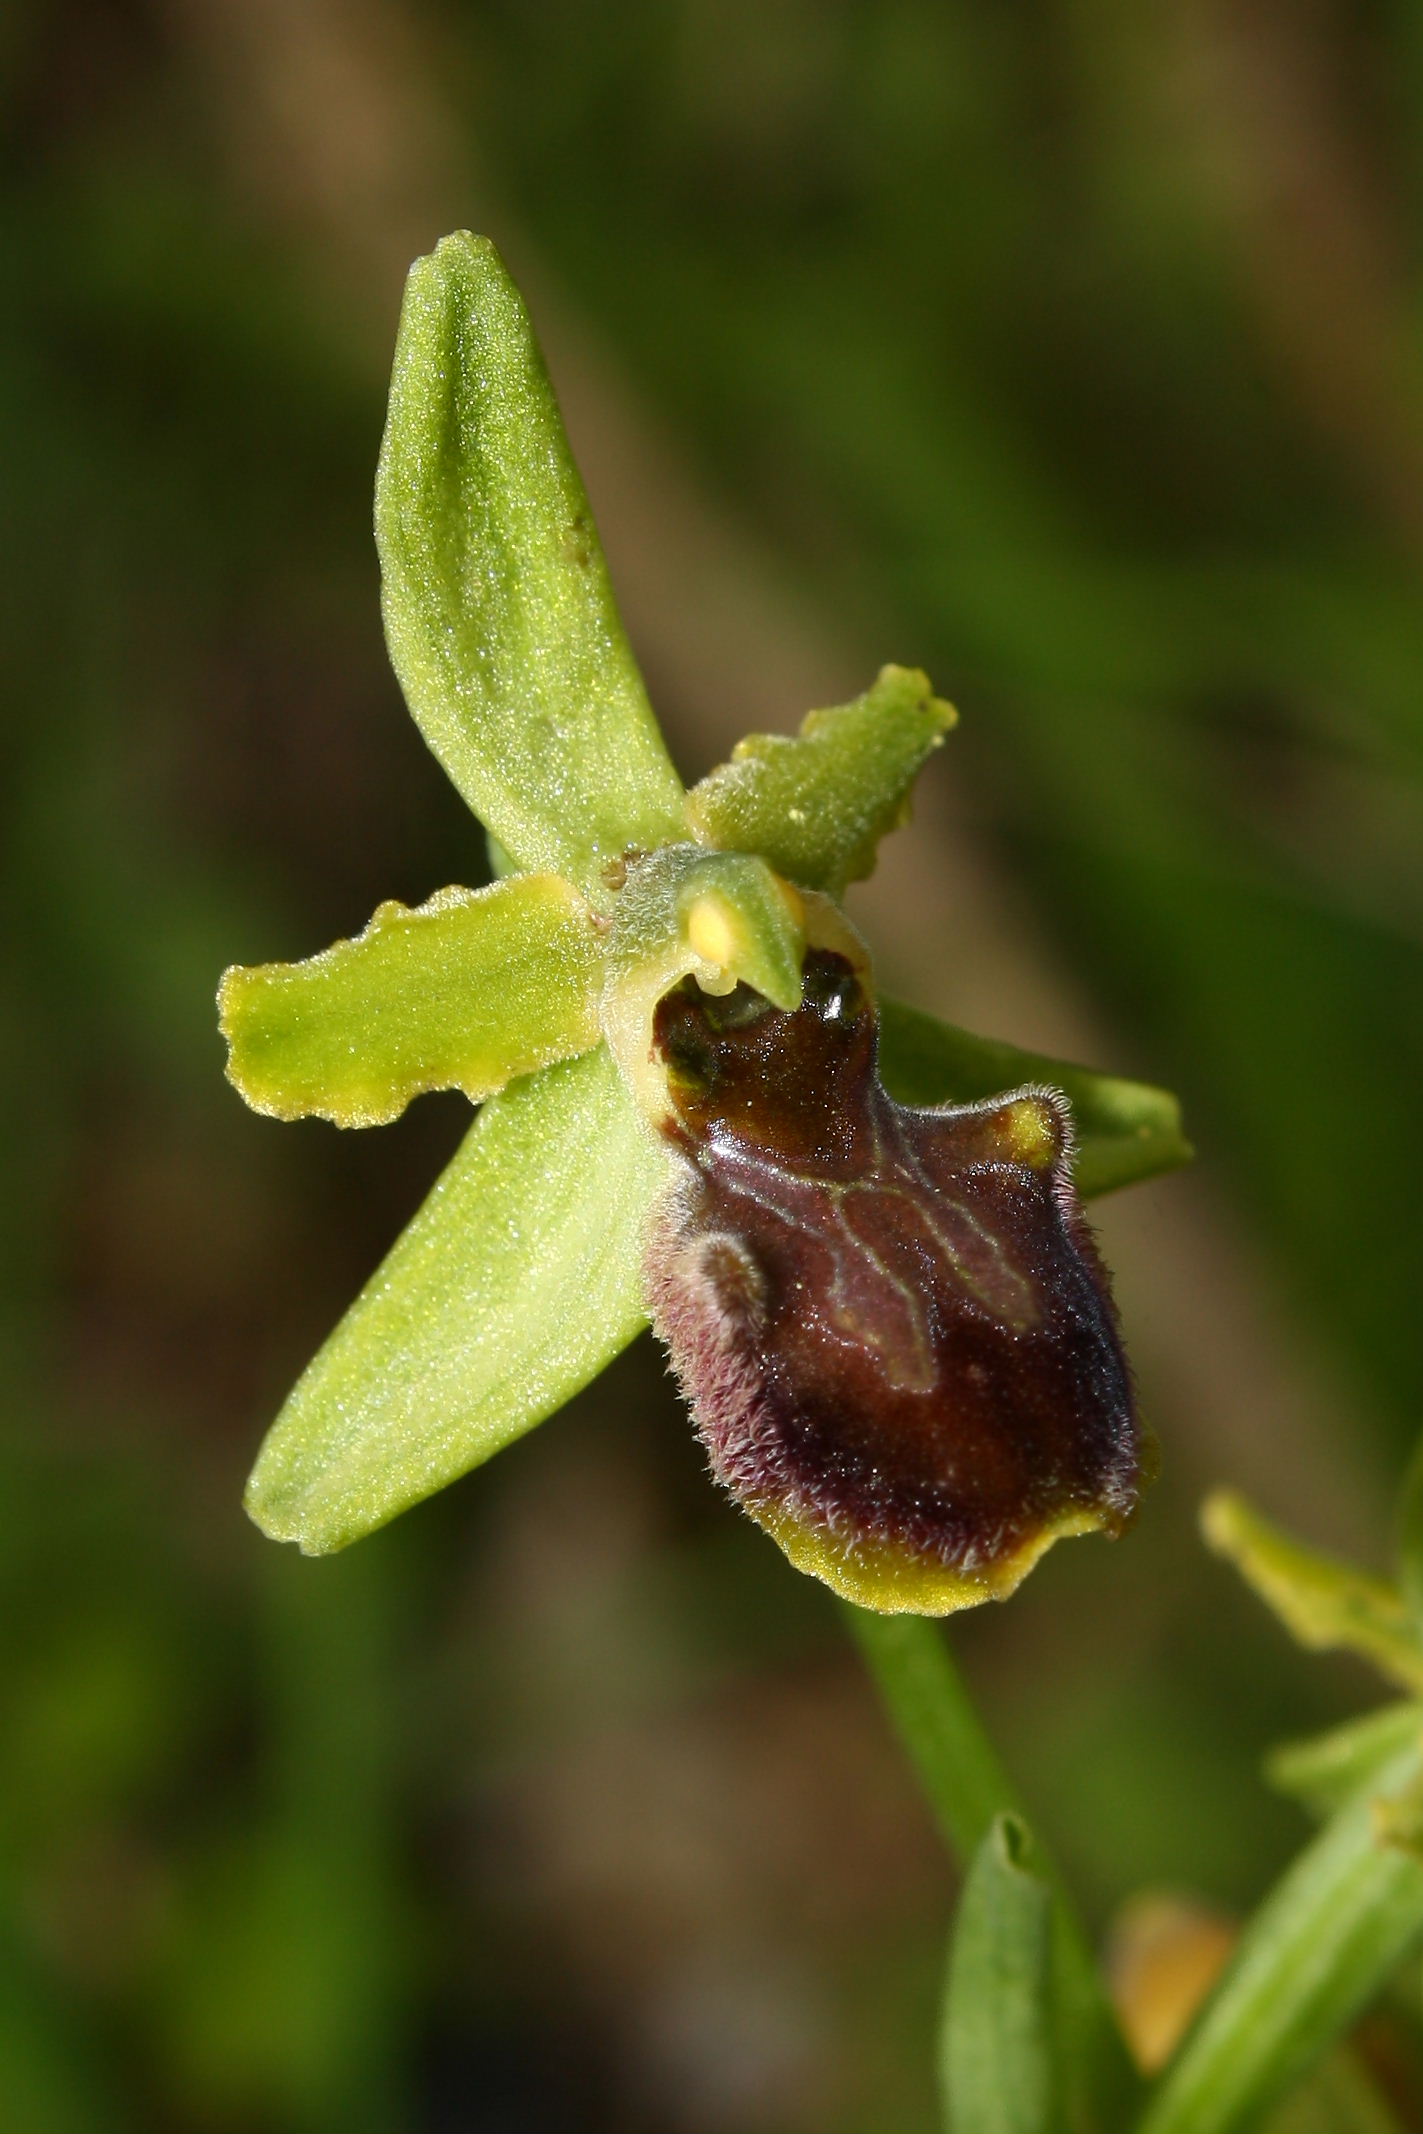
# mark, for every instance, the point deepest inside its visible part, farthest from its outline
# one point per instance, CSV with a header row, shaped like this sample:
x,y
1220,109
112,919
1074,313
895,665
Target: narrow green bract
x,y
1323,1603
519,1279
464,992
1322,1772
499,616
1335,1928
817,804
1125,1130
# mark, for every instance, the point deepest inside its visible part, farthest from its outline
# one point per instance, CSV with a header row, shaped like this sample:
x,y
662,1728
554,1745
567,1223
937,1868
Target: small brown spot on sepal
x,y
892,1325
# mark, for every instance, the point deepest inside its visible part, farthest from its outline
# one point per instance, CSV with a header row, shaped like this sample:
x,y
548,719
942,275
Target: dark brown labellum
x,y
892,1325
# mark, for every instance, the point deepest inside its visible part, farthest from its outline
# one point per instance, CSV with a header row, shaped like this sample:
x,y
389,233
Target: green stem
x,y
933,1714
966,1787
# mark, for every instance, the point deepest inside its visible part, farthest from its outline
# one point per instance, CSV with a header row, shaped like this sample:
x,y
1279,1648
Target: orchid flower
x,y
880,1296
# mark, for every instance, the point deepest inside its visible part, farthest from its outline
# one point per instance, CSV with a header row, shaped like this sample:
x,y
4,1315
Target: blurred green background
x,y
1071,351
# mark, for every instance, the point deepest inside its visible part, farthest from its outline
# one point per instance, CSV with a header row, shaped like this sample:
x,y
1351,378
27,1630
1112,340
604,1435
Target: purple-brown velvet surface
x,y
893,1325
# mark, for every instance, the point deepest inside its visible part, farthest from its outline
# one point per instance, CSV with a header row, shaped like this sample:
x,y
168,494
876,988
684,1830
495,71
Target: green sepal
x,y
519,1279
1324,1604
1322,1772
498,612
1125,1130
1343,1917
998,2053
817,804
463,992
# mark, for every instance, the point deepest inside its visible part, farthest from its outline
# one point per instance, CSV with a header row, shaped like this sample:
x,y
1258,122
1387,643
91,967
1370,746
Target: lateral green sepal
x,y
519,1279
1125,1130
816,804
498,611
463,992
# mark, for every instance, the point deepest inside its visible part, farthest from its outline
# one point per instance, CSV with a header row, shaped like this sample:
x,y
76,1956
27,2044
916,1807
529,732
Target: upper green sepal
x,y
519,1279
1125,1130
817,804
498,612
463,992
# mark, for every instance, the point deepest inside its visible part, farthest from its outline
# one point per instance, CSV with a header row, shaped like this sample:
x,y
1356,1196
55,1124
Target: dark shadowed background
x,y
1069,351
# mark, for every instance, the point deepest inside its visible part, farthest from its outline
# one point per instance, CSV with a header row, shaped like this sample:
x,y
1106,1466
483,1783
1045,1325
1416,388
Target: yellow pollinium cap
x,y
750,927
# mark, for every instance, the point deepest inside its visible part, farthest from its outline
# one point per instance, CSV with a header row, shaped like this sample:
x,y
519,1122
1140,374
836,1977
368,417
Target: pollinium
x,y
892,1325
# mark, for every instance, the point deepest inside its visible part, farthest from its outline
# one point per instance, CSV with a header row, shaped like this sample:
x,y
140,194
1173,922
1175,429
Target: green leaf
x,y
1125,1130
997,2044
464,992
519,1279
498,612
1322,1773
967,1789
817,805
1324,1604
1340,1921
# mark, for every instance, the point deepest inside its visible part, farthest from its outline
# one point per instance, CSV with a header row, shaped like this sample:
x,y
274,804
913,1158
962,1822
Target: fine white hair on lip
x,y
890,1322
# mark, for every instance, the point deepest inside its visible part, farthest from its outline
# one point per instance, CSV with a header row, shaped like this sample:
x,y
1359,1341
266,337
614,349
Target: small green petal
x,y
817,805
517,1282
1125,1130
498,612
464,992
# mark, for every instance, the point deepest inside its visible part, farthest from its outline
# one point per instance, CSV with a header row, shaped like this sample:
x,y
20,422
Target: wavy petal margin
x,y
816,804
464,992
